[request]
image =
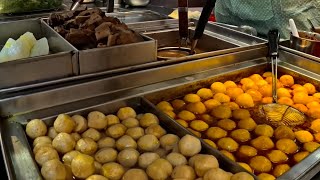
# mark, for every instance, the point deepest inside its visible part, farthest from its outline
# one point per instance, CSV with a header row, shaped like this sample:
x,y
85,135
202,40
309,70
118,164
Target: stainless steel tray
x,y
103,59
60,63
18,153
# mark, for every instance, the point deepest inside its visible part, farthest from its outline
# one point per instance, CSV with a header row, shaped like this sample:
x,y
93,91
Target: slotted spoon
x,y
277,114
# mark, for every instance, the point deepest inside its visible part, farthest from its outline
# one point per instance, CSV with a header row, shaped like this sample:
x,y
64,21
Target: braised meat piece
x,y
91,28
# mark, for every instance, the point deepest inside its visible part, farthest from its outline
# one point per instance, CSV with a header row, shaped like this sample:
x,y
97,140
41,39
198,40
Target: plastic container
x,y
23,6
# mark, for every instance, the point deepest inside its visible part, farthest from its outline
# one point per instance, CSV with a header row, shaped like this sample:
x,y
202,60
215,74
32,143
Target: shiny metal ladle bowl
x,y
167,53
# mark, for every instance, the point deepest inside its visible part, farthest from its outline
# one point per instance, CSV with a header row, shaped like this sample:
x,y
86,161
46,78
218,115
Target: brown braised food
x,y
86,29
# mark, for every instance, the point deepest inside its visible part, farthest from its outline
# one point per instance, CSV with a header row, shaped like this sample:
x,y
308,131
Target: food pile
x,y
127,146
86,29
220,115
26,46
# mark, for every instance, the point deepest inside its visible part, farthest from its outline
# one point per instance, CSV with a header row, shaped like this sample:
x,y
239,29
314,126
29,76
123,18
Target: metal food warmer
x,y
108,94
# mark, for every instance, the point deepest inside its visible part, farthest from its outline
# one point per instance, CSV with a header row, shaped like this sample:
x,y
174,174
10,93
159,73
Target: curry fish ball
x,y
68,157
215,133
45,154
240,135
266,176
164,106
106,142
264,130
92,133
255,94
260,164
189,145
63,143
245,100
203,163
162,152
148,119
247,151
230,84
86,146
287,146
207,118
176,159
232,105
218,87
53,169
116,130
42,140
241,114
192,98
112,119
303,136
186,115
211,143
126,112
228,144
148,142
97,120
178,104
300,156
159,169
98,167
227,124
147,158
216,174
52,133
228,155
156,129
64,123
310,88
211,103
130,122
284,132
262,143
135,174
126,142
199,125
183,172
221,112
233,93
287,80
171,114
277,156
242,176
112,170
169,141
196,133
75,136
135,132
96,177
36,128
183,123
248,124
128,157
245,166
221,97
283,92
196,108
82,166
106,155
280,169
205,93
311,146
40,146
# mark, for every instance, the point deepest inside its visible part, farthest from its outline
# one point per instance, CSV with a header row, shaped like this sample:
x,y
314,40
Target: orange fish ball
x,y
267,74
211,103
205,93
267,100
310,88
233,93
269,80
221,97
266,90
287,80
315,125
283,92
255,94
301,107
286,101
316,95
256,77
245,100
249,85
313,104
246,80
230,84
232,105
300,89
261,83
300,98
218,87
314,113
